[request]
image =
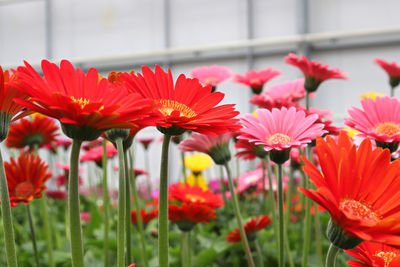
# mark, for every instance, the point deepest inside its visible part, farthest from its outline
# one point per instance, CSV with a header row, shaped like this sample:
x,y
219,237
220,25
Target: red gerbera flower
x,y
314,72
256,79
248,150
251,228
195,195
39,131
8,107
85,105
56,194
96,153
146,141
362,207
374,254
392,69
26,177
187,105
191,213
146,216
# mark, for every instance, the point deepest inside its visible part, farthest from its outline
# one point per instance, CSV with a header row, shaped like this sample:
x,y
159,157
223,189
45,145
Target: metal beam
x,y
262,47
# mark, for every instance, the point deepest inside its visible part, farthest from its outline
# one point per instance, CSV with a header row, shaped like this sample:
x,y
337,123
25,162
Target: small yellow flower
x,y
198,180
198,162
351,132
371,95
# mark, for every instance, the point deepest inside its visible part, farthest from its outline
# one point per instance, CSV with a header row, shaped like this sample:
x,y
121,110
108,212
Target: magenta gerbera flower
x,y
280,129
216,147
280,95
256,79
211,75
392,69
314,72
379,119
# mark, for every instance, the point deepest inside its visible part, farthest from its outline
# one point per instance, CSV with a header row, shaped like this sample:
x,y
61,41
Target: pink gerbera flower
x,y
280,95
280,129
392,69
314,72
379,120
216,147
96,154
211,75
256,79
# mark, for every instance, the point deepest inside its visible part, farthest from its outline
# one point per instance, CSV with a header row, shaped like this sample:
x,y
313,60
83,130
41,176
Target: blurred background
x,y
182,34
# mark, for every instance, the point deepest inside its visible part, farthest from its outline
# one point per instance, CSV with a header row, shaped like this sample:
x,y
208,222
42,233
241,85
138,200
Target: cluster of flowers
x,y
362,208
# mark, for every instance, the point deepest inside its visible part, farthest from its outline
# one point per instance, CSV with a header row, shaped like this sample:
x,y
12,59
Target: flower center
x,y
169,106
255,81
354,208
386,256
211,80
387,128
81,101
251,179
279,138
24,189
195,198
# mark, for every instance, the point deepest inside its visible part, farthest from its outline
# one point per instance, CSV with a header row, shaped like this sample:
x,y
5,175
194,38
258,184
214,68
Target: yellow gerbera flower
x,y
198,162
198,180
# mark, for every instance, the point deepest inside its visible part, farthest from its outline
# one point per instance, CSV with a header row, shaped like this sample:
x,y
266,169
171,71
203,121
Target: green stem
x,y
288,251
163,206
185,249
138,215
259,254
183,166
289,197
272,199
264,190
318,235
7,218
222,188
106,204
281,217
121,206
392,91
46,225
307,223
33,235
146,164
75,228
239,217
127,212
331,256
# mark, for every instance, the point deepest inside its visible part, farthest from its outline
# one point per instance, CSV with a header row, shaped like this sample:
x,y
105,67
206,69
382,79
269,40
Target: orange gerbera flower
x,y
195,195
251,228
26,177
40,131
187,105
360,188
85,105
187,215
374,254
146,216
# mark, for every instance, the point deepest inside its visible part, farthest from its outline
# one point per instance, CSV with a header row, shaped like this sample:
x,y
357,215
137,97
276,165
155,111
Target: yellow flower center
x,y
168,106
359,210
386,256
24,189
81,101
279,138
387,128
195,198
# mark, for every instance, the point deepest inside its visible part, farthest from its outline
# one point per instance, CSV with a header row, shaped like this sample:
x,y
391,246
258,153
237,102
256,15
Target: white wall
x,y
105,27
